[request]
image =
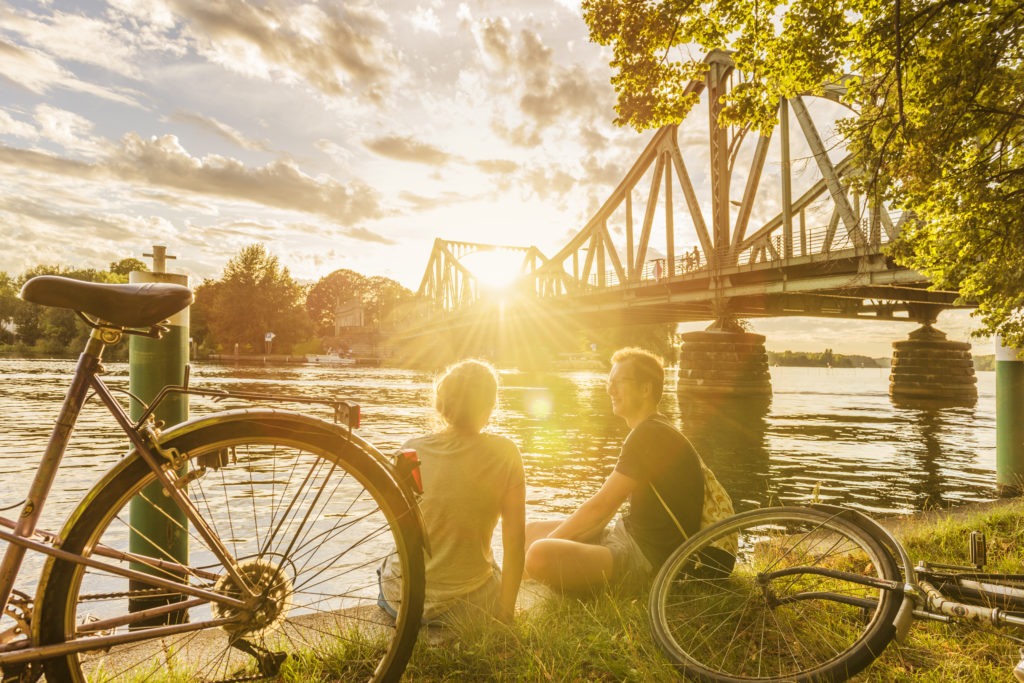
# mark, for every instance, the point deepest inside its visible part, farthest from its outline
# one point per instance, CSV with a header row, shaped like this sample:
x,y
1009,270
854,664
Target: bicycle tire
x,y
718,623
334,513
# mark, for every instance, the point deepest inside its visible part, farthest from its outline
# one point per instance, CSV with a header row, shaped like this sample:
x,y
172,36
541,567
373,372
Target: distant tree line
x,y
254,295
29,328
825,359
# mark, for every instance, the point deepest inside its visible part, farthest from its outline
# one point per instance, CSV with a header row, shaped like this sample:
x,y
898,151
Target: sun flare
x,y
494,269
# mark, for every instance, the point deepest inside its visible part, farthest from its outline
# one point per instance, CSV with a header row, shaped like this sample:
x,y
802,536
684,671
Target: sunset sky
x,y
340,134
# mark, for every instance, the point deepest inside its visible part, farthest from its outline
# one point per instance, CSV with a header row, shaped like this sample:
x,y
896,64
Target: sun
x,y
495,269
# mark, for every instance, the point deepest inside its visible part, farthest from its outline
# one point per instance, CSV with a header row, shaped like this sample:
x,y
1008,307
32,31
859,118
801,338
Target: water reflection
x,y
729,433
835,432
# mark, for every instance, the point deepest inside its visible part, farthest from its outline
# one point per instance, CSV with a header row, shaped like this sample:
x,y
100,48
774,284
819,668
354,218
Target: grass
x,y
607,638
957,652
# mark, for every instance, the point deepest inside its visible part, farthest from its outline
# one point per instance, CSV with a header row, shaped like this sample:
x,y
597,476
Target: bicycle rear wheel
x,y
741,616
308,514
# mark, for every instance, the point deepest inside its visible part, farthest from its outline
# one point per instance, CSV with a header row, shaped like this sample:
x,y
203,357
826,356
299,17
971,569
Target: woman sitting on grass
x,y
470,479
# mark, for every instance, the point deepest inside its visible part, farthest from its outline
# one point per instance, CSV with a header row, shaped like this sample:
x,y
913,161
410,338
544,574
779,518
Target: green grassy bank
x,y
606,638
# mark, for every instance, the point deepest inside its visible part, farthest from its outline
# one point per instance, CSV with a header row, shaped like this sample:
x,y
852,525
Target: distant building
x,y
349,316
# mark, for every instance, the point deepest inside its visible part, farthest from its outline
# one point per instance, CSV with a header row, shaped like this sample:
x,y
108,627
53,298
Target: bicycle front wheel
x,y
306,512
779,594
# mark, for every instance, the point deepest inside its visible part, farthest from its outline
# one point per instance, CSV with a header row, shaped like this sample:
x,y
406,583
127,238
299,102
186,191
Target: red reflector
x,y
414,461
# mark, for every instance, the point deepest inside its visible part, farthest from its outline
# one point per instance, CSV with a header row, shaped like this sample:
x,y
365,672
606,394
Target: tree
x,y
379,296
126,266
324,296
939,100
255,295
59,328
8,305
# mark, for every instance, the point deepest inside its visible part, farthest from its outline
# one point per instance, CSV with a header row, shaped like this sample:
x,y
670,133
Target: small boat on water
x,y
329,359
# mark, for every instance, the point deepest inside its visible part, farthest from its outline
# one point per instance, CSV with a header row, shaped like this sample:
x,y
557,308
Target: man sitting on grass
x,y
658,472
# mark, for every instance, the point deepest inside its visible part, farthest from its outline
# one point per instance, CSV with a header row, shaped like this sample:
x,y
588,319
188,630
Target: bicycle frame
x,y
922,599
143,438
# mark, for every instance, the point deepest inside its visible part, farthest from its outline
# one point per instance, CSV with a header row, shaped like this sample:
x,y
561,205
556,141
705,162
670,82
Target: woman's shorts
x,y
630,567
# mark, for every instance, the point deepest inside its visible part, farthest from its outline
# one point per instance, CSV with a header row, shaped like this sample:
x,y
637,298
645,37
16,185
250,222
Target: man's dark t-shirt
x,y
655,451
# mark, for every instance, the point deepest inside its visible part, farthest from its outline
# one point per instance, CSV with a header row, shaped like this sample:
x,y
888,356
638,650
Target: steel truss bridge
x,y
796,263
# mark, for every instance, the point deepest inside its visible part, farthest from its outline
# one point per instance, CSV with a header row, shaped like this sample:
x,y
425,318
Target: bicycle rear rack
x,y
346,413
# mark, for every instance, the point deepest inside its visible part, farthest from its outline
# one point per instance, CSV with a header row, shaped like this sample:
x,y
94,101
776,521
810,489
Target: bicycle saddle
x,y
138,305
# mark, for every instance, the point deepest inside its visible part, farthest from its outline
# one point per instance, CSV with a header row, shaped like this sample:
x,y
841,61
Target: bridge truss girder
x,y
592,260
450,285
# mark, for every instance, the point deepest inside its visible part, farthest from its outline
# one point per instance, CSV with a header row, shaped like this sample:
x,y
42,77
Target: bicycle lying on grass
x,y
286,516
811,594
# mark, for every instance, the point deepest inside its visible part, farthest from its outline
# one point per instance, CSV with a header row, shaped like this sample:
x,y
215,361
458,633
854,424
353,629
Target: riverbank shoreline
x,y
915,521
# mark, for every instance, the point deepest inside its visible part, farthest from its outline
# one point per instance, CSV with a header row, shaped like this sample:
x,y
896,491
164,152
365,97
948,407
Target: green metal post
x,y
158,528
1009,420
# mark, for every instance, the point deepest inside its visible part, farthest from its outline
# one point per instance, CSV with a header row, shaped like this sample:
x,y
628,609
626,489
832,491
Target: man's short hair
x,y
647,366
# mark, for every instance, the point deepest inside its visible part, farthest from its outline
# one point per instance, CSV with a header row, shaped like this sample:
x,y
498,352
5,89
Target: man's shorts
x,y
630,567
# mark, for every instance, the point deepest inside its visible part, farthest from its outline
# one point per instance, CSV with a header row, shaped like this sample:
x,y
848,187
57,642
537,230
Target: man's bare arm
x,y
596,511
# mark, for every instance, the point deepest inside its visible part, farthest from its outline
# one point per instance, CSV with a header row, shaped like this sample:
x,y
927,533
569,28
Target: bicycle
x,y
286,518
810,594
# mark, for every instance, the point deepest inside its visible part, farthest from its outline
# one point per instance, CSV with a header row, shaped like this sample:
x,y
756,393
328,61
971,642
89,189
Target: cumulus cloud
x,y
332,47
163,163
407,148
219,128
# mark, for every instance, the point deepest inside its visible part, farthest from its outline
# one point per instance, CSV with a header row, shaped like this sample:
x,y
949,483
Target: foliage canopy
x,y
939,96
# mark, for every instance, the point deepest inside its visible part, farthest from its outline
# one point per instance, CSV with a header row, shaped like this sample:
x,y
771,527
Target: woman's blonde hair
x,y
466,393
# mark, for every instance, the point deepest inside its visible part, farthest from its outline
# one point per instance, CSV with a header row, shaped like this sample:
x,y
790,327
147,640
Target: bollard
x,y
153,364
1009,420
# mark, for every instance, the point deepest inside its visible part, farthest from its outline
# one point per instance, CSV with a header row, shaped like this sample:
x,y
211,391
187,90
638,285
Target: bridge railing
x,y
821,239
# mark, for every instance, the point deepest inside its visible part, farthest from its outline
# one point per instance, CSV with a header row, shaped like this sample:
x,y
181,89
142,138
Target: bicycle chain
x,y
130,594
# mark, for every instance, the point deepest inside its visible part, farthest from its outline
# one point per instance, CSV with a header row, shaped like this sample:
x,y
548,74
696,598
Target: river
x,y
829,433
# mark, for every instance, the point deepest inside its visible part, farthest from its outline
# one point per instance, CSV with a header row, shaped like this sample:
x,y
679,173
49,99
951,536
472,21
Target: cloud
x,y
223,130
549,182
422,203
163,163
19,129
66,128
368,236
408,148
74,37
102,225
37,72
331,47
424,19
497,166
548,95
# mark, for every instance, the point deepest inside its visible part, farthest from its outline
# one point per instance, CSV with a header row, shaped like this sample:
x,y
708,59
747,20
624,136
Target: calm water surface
x,y
831,433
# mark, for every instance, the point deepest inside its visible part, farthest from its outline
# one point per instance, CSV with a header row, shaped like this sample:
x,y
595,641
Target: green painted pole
x,y
158,528
1009,420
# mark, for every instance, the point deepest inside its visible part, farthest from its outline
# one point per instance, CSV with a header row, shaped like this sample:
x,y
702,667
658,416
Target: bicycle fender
x,y
302,425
